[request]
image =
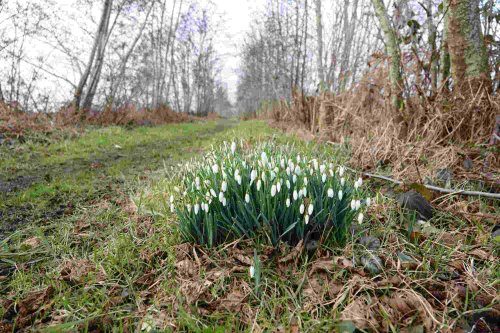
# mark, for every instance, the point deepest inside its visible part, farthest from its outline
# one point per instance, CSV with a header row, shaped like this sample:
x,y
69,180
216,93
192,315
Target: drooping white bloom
x,y
310,209
368,201
273,190
295,195
273,175
253,175
311,172
330,193
360,182
297,170
301,209
197,181
252,272
233,147
172,208
263,157
204,206
224,174
294,179
342,181
238,179
331,172
323,178
224,186
221,197
322,168
306,219
353,204
304,191
282,163
278,187
263,176
341,171
215,168
288,184
305,181
224,202
171,199
288,202
196,209
330,165
247,198
212,192
176,189
360,218
358,204
341,195
259,184
298,158
356,185
188,207
315,164
288,171
236,173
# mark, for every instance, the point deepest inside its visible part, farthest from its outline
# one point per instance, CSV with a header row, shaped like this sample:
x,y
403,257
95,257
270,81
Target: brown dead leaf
x,y
182,251
294,254
233,301
78,271
33,305
480,254
243,259
186,268
360,312
32,242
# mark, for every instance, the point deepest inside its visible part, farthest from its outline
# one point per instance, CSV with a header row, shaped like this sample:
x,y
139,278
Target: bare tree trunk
x,y
101,33
445,53
319,33
394,52
469,59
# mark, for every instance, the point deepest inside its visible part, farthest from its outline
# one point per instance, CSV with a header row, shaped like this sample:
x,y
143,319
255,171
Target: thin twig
x,y
435,188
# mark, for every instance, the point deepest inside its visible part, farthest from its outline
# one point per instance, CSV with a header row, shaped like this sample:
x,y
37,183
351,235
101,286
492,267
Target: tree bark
x,y
445,52
319,33
468,55
393,51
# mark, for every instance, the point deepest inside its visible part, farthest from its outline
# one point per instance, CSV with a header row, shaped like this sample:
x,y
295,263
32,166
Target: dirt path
x,y
40,183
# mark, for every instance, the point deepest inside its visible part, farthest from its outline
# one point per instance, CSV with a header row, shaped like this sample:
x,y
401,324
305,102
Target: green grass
x,y
110,260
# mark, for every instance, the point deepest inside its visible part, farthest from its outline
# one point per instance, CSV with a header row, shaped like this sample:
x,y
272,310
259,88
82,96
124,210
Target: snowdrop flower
x,y
273,190
288,202
278,187
212,192
306,219
288,184
171,199
294,179
315,164
263,176
331,172
330,193
236,173
298,158
341,195
176,189
215,168
297,170
358,204
188,207
204,207
253,175
259,184
197,181
221,197
238,179
252,272
273,175
233,147
356,185
330,165
263,157
342,181
282,163
295,195
341,171
224,202
310,209
196,209
353,204
360,218
305,181
304,192
172,208
301,209
288,171
360,182
311,172
368,202
323,178
322,168
247,198
224,186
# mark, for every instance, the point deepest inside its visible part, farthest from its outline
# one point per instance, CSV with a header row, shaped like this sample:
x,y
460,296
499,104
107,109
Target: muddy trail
x,y
40,183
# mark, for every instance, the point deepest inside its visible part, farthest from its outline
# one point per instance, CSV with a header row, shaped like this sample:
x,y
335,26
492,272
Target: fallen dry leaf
x,y
479,253
32,242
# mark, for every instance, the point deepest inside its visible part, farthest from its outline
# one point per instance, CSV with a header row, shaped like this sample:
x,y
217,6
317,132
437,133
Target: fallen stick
x,y
435,188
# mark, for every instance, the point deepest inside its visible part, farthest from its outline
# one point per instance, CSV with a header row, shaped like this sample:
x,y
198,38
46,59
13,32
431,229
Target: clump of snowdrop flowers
x,y
235,193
